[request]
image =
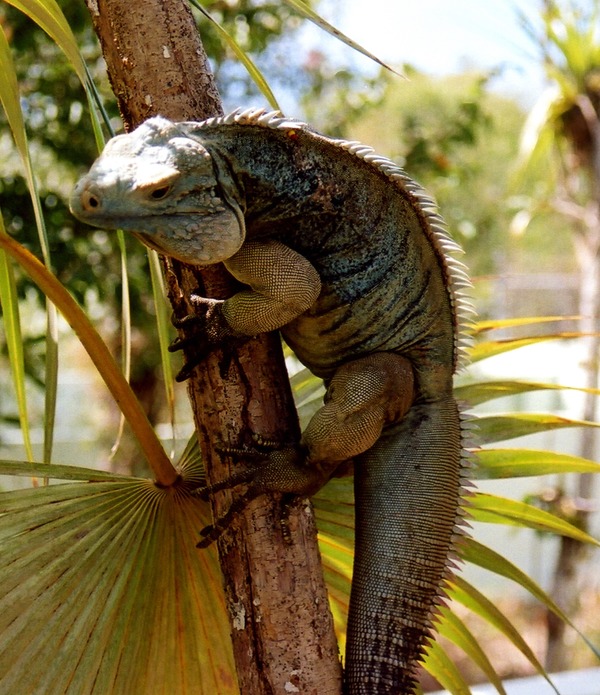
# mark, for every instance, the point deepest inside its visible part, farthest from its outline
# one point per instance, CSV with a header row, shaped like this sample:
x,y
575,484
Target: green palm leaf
x,y
48,15
491,348
496,509
305,11
517,463
14,341
487,558
499,324
241,55
499,428
103,591
466,594
453,628
10,101
99,353
443,669
484,391
163,329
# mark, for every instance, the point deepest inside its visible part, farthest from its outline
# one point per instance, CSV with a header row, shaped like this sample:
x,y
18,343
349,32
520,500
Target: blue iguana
x,y
348,257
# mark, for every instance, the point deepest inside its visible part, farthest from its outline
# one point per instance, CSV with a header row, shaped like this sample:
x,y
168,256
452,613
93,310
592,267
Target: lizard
x,y
348,257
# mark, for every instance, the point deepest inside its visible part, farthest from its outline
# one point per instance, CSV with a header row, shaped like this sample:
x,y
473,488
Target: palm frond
x,y
518,463
502,510
491,348
100,355
14,341
443,669
241,55
454,629
10,101
489,559
305,11
102,589
484,391
501,428
470,597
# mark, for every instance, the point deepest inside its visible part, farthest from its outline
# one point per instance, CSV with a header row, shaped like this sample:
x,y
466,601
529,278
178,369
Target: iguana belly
x,y
332,333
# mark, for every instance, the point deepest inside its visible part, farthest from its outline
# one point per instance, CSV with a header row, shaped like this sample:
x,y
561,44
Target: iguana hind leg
x,y
362,398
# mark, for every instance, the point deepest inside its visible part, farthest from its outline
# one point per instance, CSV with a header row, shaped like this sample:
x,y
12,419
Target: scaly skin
x,y
347,256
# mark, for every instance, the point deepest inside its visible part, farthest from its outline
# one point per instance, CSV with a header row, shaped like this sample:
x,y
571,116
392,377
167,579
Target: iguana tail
x,y
408,495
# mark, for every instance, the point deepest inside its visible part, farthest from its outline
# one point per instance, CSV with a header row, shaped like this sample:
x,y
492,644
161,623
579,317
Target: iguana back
x,y
371,233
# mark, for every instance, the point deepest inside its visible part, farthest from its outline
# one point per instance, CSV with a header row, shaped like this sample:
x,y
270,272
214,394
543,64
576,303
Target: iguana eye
x,y
160,193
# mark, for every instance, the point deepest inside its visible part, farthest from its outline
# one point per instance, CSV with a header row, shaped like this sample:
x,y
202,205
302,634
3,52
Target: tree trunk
x,y
567,580
282,629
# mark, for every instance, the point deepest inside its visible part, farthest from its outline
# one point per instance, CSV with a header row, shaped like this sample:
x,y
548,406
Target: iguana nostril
x,y
89,200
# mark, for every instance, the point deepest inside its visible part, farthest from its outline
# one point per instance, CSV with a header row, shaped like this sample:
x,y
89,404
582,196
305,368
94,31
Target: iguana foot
x,y
208,330
284,470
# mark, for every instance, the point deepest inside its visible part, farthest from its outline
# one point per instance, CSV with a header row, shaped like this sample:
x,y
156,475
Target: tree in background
x,y
561,151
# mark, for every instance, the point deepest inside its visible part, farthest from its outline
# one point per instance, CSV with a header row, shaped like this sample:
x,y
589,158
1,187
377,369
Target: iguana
x,y
348,257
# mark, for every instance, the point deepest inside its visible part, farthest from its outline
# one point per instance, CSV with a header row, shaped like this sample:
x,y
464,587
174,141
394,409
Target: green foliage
x,y
253,26
569,35
455,137
558,139
14,342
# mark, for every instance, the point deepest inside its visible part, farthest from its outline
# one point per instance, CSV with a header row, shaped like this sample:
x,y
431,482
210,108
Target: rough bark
x,y
282,629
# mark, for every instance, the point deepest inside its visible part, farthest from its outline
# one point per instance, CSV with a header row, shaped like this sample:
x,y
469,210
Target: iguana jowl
x,y
343,253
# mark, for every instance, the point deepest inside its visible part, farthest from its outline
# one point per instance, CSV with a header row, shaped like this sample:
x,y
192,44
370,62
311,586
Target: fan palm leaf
x,y
103,590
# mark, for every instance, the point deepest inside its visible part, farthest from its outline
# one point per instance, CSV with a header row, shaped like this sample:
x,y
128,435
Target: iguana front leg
x,y
282,284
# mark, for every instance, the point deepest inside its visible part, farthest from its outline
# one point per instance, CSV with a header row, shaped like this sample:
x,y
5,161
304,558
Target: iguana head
x,y
161,184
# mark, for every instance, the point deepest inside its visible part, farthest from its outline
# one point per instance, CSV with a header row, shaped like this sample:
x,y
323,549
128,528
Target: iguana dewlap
x,y
343,253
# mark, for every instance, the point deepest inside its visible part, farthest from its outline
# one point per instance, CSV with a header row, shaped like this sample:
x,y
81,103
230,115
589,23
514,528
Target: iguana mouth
x,y
152,242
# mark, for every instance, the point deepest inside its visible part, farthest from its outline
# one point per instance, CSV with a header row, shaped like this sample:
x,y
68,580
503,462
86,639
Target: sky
x,y
445,36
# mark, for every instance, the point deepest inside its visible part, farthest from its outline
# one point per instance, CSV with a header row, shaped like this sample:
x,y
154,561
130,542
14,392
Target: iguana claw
x,y
209,330
283,470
